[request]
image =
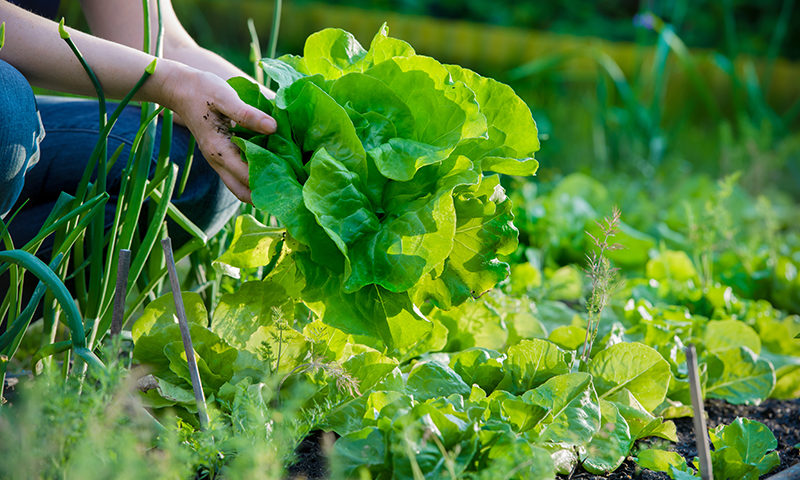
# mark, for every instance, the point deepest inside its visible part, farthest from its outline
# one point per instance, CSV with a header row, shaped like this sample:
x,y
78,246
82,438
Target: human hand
x,y
207,105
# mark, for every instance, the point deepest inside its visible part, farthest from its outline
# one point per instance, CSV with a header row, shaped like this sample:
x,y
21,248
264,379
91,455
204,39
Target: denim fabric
x,y
20,133
72,127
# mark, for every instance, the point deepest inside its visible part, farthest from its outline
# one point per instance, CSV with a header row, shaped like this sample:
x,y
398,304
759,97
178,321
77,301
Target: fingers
x,y
242,191
225,159
209,117
250,117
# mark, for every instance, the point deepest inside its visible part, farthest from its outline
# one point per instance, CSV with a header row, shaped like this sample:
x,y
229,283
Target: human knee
x,y
17,103
20,133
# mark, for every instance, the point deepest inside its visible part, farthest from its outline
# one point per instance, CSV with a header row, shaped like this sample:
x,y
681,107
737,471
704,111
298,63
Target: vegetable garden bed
x,y
782,417
402,284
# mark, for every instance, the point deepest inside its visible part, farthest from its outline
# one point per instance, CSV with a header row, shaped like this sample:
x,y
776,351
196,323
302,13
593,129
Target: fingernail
x,y
269,125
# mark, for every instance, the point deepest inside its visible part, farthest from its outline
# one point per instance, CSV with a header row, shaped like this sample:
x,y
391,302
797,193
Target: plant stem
x,y
272,47
255,51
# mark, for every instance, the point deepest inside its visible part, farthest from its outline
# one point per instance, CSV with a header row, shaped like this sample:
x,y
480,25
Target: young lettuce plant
x,y
383,172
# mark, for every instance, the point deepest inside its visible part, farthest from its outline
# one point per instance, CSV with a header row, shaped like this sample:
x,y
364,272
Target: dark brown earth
x,y
782,417
310,462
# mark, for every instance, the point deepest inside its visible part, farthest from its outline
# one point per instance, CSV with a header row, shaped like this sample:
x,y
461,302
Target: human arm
x,y
122,21
204,100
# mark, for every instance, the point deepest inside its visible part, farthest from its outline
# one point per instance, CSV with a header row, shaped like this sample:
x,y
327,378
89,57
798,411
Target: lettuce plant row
x,y
384,299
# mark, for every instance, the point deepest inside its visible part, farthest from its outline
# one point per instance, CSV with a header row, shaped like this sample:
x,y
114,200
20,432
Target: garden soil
x,y
782,417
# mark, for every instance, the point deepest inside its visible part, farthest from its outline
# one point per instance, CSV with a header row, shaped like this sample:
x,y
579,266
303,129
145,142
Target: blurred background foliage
x,y
698,20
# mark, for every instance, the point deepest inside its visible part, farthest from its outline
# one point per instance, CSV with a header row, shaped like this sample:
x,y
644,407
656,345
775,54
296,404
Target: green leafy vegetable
x,y
743,450
530,363
378,172
611,444
739,376
572,412
253,244
661,461
432,379
635,367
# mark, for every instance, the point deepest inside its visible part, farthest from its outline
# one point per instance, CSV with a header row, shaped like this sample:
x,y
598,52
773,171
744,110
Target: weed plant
x,y
603,278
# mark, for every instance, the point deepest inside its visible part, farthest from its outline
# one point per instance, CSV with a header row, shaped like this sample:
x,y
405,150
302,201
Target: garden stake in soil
x,y
199,397
699,419
122,286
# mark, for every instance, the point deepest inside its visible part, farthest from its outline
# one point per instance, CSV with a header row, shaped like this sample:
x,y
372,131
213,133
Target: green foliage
x,y
743,450
380,309
98,428
380,175
253,244
631,367
531,362
739,376
665,461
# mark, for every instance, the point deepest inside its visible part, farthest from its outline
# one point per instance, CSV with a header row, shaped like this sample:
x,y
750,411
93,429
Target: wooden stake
x,y
123,267
197,386
699,418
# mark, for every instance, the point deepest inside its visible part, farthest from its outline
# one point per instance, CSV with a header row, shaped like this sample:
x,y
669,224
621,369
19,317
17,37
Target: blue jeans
x,y
21,131
38,160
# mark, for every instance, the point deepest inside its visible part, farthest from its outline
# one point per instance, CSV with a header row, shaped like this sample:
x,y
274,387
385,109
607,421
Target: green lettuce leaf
x,y
432,379
572,410
744,450
518,458
635,367
362,449
254,244
661,460
478,366
723,334
484,229
611,444
738,376
530,363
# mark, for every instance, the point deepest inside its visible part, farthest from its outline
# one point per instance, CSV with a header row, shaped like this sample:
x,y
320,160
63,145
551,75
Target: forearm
x,y
201,98
122,21
202,59
34,47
